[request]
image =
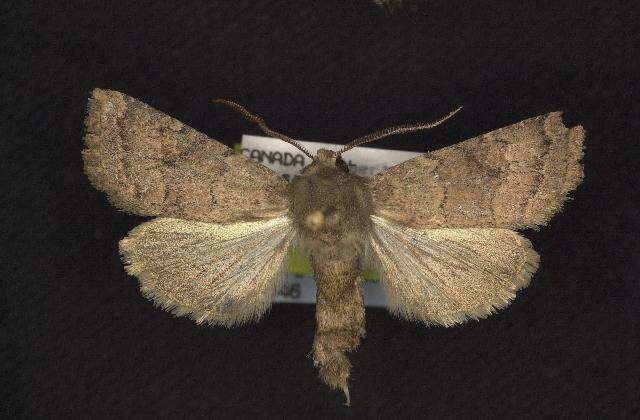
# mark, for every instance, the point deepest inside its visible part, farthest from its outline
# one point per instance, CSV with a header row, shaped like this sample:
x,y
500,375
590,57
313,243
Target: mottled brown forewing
x,y
515,177
151,164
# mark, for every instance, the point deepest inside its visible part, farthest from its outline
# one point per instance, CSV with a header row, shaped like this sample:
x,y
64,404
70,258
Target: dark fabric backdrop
x,y
83,343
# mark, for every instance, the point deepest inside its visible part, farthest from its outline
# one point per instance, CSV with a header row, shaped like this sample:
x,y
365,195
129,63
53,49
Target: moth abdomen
x,y
339,317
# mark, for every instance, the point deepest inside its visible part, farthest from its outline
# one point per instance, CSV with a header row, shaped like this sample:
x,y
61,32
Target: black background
x,y
84,343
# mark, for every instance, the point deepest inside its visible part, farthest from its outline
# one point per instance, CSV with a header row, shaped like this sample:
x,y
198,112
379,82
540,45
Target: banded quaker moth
x,y
440,227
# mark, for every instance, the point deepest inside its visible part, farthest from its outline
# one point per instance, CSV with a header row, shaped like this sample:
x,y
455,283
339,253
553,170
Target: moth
x,y
441,228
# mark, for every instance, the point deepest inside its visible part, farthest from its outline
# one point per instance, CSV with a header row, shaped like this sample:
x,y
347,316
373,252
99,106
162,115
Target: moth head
x,y
331,159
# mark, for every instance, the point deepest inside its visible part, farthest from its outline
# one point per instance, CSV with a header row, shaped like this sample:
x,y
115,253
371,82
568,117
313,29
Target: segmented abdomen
x,y
340,319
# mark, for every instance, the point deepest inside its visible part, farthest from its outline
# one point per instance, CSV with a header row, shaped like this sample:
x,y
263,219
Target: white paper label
x,y
288,161
302,289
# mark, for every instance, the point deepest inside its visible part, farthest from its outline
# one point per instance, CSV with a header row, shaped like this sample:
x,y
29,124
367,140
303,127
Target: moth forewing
x,y
515,177
153,165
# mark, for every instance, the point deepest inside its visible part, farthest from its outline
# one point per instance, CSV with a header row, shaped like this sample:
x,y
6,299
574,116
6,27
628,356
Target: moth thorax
x,y
327,199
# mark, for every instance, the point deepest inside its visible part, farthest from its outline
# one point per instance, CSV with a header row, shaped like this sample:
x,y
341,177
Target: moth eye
x,y
342,165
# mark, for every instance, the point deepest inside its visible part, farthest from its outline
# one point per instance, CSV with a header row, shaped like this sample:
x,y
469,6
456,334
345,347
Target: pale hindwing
x,y
445,276
219,274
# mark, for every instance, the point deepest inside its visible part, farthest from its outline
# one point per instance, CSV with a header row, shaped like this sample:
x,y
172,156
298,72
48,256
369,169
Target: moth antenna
x,y
261,123
399,129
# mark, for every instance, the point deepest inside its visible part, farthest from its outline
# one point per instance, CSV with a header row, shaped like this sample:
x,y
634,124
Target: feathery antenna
x,y
390,131
261,123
